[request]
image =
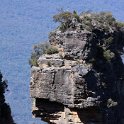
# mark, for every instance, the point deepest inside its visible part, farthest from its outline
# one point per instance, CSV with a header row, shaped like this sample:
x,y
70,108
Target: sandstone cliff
x,y
82,82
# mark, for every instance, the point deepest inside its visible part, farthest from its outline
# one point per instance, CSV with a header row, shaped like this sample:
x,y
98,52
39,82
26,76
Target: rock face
x,y
84,82
5,111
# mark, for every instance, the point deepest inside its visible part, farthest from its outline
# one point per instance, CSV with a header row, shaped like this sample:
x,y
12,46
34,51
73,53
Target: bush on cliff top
x,y
66,18
102,25
87,20
63,17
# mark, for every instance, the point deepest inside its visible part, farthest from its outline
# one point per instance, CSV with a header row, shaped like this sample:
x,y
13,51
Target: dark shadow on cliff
x,y
106,78
89,115
47,110
6,117
5,110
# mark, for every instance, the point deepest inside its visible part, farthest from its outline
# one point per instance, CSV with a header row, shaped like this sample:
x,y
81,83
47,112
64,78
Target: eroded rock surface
x,y
84,82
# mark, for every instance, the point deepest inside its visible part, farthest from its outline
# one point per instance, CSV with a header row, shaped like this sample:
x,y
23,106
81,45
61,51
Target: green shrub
x,y
108,55
38,50
52,50
120,24
108,41
63,27
75,15
33,61
102,21
63,17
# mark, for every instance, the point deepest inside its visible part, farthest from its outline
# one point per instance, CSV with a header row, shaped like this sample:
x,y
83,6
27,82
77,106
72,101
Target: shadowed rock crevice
x,y
47,110
53,111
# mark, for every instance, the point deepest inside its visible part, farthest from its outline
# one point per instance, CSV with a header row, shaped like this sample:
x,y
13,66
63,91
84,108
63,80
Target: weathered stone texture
x,y
84,78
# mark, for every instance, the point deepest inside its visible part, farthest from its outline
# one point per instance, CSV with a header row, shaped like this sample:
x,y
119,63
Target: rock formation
x,y
5,111
82,82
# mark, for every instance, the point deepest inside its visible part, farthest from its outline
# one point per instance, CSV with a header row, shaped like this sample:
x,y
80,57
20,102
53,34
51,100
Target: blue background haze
x,y
24,23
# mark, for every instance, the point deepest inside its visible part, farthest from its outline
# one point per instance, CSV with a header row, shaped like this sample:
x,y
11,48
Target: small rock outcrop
x,y
82,82
5,111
